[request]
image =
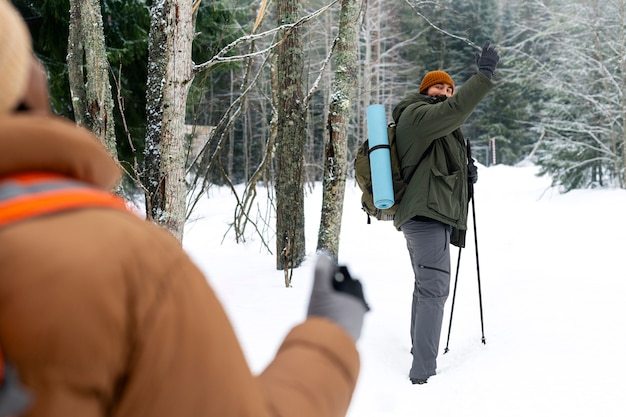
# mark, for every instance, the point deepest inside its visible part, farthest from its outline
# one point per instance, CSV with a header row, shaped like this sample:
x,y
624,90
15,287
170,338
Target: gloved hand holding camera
x,y
337,296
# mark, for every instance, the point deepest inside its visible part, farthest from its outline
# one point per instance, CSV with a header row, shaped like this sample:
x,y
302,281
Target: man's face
x,y
440,89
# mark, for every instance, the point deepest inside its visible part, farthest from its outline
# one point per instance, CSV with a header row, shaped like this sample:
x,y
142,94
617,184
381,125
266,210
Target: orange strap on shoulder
x,y
25,196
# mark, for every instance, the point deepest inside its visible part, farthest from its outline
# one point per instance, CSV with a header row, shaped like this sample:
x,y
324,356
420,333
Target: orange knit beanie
x,y
15,57
435,77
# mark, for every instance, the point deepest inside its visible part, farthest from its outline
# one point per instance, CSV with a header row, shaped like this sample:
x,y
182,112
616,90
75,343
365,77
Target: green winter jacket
x,y
431,145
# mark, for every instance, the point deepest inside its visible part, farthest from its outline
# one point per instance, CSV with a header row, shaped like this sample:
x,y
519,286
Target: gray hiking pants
x,y
429,247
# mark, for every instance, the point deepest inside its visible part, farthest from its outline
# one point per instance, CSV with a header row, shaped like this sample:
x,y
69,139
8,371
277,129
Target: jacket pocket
x,y
444,193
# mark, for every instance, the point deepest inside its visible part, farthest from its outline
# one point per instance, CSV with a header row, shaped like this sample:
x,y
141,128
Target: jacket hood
x,y
54,144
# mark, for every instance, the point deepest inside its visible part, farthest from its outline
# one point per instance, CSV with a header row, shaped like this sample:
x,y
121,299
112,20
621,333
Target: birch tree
x,y
170,73
339,112
88,69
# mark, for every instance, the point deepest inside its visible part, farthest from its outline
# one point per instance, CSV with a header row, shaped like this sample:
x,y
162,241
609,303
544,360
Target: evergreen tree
x,y
521,92
126,26
212,92
584,122
49,21
473,23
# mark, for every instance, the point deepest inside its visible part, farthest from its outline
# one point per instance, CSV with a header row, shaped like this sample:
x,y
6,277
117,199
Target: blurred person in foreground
x,y
433,212
103,314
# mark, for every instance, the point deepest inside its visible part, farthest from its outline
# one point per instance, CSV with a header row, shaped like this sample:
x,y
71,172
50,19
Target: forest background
x,y
275,93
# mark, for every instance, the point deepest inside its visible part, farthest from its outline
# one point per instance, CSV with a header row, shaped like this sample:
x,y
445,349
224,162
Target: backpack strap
x,y
375,147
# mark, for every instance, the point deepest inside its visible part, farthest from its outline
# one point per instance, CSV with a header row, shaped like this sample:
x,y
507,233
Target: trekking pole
x,y
480,296
456,279
458,263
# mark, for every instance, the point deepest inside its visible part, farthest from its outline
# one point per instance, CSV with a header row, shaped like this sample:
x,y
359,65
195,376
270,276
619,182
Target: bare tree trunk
x,y
621,141
89,72
75,59
231,134
343,91
169,77
290,248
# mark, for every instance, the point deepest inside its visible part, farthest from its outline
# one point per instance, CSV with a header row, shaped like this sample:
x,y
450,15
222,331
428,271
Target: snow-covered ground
x,y
553,292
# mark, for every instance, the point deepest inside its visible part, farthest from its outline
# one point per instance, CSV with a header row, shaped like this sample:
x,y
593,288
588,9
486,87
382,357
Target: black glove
x,y
487,59
337,296
472,172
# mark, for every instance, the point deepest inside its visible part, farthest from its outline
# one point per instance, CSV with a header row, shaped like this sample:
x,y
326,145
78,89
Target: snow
x,y
553,295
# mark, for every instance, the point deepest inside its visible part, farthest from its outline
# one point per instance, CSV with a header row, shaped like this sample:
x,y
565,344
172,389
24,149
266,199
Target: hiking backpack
x,y
363,174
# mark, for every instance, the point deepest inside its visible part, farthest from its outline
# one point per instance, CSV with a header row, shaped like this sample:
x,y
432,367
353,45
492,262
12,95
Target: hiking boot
x,y
418,381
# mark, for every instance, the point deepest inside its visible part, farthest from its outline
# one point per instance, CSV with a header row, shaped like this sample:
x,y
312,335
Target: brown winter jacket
x,y
104,314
